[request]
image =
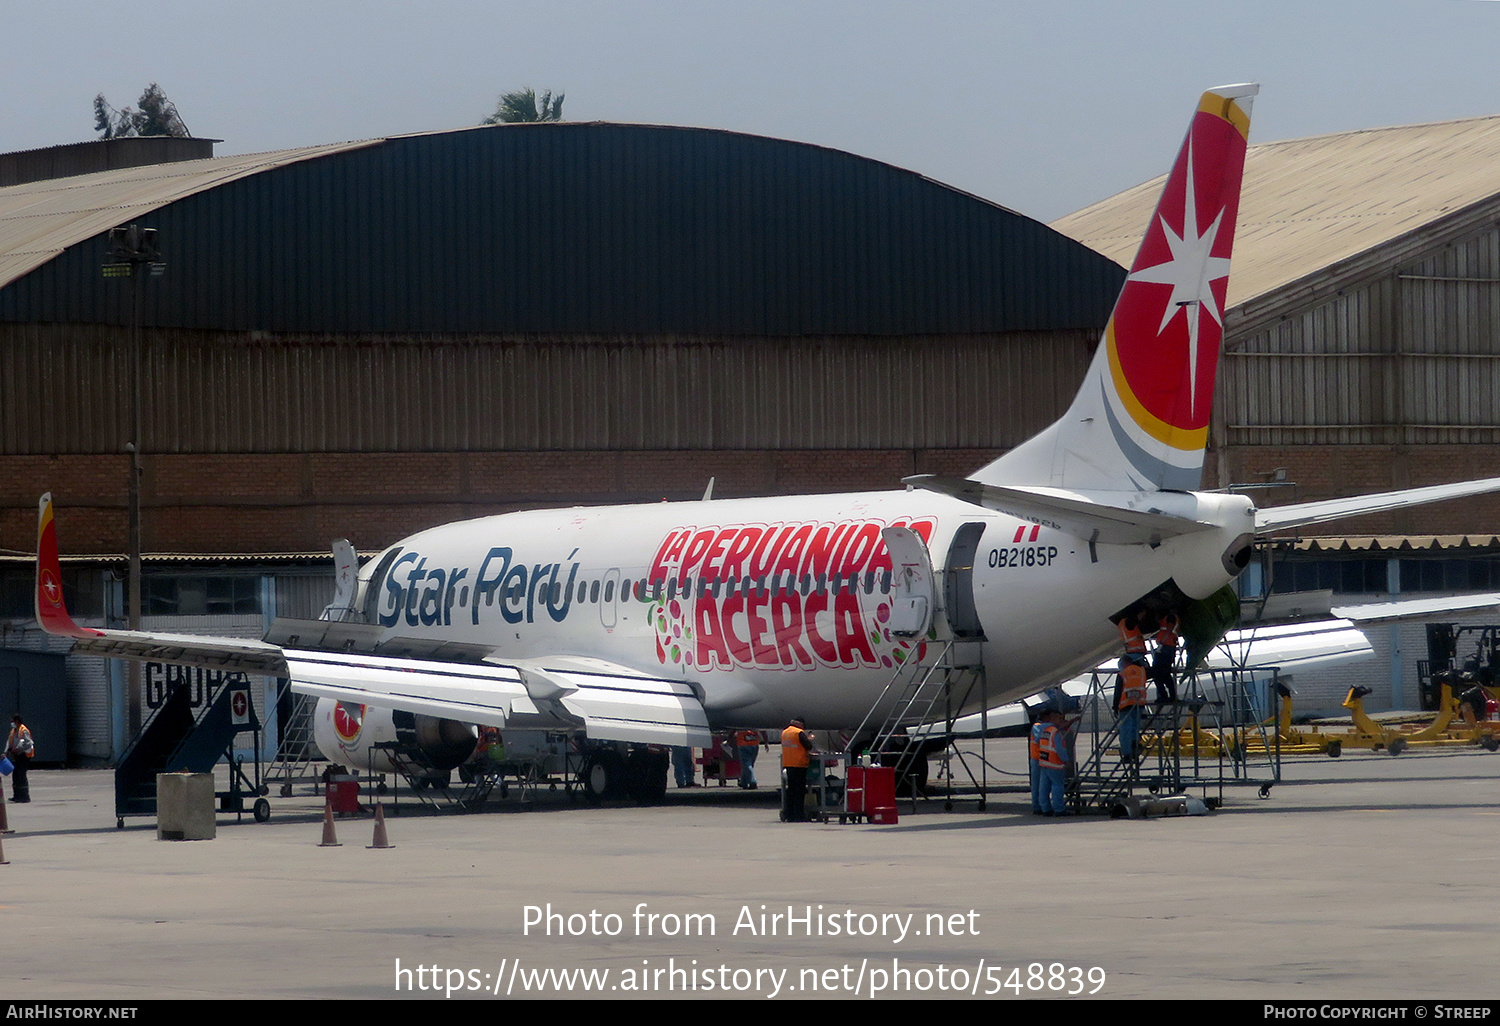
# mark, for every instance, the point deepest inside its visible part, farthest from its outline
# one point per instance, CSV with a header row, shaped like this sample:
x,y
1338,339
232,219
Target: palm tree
x,y
521,107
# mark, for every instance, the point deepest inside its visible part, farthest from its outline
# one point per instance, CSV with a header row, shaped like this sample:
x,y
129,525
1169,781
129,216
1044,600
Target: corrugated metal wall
x,y
1411,357
61,391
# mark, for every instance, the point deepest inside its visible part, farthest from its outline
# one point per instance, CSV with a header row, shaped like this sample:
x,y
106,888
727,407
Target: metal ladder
x,y
918,686
1105,778
294,757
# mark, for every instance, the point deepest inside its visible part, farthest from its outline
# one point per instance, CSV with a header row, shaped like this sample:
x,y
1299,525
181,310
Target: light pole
x,y
134,253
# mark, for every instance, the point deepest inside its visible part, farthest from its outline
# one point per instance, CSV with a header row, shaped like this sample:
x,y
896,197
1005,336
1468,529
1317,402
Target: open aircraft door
x,y
958,584
912,590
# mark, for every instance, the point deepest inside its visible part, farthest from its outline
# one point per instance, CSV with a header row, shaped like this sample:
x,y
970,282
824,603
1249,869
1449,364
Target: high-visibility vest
x,y
1034,744
1047,747
793,751
1135,641
747,738
1132,684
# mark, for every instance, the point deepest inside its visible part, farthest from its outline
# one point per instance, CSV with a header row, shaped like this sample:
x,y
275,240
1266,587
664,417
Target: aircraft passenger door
x,y
609,599
911,582
958,583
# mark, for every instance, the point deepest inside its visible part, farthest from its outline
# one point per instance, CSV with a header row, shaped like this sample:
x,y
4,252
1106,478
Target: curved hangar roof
x,y
569,227
1309,204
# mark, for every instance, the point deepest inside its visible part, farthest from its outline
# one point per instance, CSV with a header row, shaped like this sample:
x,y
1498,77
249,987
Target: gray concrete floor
x,y
1365,877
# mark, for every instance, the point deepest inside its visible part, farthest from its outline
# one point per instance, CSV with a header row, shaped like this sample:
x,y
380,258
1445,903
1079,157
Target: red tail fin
x,y
1140,421
51,611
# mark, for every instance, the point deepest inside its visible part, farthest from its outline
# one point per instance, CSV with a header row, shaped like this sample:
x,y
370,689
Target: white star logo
x,y
50,586
1191,272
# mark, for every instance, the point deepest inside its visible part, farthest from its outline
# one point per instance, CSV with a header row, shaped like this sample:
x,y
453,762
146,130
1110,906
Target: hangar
x,y
363,339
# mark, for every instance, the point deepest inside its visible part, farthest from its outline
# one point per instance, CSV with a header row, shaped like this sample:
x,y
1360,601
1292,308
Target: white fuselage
x,y
775,607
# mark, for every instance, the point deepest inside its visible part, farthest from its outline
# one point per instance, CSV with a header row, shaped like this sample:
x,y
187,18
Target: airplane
x,y
648,625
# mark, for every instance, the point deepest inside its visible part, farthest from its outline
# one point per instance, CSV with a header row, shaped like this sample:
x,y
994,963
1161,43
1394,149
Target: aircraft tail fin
x,y
51,611
1140,421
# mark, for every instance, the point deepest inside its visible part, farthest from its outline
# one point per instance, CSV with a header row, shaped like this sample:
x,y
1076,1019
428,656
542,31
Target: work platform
x,y
1219,733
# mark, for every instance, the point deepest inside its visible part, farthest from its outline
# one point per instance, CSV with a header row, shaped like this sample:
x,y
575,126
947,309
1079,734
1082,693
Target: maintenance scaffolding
x,y
1220,733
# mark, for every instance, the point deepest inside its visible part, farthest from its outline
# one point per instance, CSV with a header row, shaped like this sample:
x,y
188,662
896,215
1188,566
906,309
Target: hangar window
x,y
199,596
1450,574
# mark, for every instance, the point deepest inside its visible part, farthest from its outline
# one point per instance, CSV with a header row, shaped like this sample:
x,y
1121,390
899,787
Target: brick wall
x,y
297,503
280,503
1332,471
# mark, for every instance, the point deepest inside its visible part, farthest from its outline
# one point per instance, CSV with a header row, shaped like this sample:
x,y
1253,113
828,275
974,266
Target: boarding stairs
x,y
176,740
926,690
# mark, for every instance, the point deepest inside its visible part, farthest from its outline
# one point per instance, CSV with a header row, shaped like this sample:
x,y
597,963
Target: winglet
x,y
51,612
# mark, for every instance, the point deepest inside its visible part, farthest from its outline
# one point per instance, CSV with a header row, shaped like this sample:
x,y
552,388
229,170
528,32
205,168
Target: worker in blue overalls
x,y
1052,762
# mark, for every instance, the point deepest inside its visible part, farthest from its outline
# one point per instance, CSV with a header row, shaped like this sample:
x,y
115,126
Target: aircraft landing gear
x,y
602,776
646,776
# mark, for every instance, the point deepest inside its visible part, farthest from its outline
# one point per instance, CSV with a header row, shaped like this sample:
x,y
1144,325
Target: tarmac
x,y
1368,877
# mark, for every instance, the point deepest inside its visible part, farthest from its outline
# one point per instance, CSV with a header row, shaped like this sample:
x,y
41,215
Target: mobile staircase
x,y
926,690
174,740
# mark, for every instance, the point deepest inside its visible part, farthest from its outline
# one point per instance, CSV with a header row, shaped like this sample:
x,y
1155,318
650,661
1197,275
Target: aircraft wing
x,y
472,693
1291,646
1417,609
1066,511
1305,514
1284,647
617,703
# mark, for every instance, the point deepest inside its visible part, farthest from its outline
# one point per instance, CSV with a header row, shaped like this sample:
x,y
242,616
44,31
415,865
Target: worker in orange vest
x,y
1052,762
1130,696
797,749
746,747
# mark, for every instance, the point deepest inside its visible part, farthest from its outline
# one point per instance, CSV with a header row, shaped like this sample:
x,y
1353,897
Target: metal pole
x,y
133,587
133,252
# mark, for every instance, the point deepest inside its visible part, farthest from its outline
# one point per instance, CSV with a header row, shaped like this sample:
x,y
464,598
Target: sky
x,y
1041,107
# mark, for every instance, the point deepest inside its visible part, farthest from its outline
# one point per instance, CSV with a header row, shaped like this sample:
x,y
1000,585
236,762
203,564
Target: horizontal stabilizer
x,y
1072,512
1305,514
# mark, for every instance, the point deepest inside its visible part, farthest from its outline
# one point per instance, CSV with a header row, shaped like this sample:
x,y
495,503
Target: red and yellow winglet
x,y
51,611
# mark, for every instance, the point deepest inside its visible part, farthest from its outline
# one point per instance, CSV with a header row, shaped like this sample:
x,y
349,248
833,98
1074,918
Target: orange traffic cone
x,y
330,840
380,840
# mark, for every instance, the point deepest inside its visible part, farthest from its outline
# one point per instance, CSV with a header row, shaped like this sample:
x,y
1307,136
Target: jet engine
x,y
363,738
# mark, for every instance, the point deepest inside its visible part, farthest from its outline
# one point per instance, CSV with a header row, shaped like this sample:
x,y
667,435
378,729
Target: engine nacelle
x,y
360,736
